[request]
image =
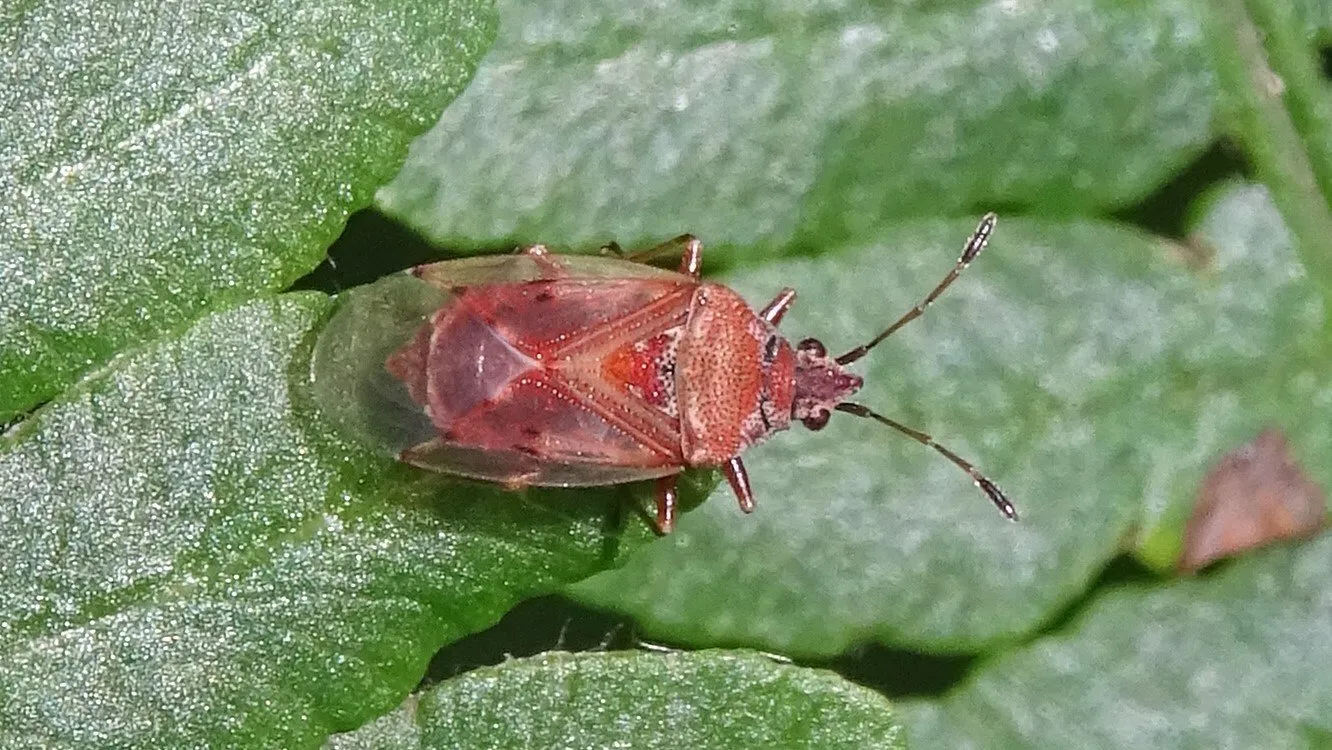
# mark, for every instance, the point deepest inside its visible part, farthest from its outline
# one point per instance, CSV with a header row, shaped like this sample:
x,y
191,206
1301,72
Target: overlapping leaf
x,y
802,123
1079,364
1235,660
159,157
710,699
192,558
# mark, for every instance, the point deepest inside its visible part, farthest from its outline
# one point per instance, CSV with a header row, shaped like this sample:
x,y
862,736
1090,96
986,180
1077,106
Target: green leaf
x,y
197,555
1258,362
1076,363
1234,660
801,124
163,157
1276,105
1316,17
193,558
710,699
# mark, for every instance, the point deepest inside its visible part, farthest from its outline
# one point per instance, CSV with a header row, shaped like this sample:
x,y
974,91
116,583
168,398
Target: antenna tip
x,y
998,497
979,239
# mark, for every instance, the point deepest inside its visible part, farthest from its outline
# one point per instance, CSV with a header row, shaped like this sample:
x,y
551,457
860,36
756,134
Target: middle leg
x,y
667,502
687,247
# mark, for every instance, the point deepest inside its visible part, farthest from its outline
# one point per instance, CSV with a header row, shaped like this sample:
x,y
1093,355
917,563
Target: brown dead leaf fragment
x,y
1257,494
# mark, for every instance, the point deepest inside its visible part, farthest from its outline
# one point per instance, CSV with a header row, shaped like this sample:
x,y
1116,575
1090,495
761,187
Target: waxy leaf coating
x,y
162,158
194,558
702,700
1099,420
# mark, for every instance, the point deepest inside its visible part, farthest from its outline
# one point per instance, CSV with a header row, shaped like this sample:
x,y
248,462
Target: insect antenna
x,y
991,489
975,244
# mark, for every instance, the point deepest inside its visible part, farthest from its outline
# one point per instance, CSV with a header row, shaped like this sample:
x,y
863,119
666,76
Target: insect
x,y
560,370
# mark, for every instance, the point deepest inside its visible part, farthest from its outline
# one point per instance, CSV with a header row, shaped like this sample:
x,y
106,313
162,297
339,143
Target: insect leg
x,y
687,247
666,503
775,309
739,479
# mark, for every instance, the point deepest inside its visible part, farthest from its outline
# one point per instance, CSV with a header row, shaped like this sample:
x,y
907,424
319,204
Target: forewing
x,y
519,470
514,387
557,317
368,365
521,267
537,432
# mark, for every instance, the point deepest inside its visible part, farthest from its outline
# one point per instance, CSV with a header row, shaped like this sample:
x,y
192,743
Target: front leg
x,y
739,480
775,309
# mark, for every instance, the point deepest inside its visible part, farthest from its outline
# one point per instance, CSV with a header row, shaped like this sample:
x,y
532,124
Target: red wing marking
x,y
517,384
408,364
538,417
544,317
571,326
470,366
581,363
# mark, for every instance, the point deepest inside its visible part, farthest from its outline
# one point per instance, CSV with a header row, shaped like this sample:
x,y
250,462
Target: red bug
x,y
563,370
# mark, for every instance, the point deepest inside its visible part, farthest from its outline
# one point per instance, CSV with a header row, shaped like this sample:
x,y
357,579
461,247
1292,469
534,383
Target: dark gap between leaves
x,y
1166,211
374,245
1325,57
371,246
898,673
1121,571
555,623
11,425
548,623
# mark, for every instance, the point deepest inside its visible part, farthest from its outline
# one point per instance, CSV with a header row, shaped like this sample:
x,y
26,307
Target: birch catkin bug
x,y
565,370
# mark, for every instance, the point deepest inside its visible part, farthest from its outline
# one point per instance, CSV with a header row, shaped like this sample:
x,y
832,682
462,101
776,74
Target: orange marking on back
x,y
645,369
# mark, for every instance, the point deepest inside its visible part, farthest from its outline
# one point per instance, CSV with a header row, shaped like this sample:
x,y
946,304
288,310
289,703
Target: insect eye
x,y
812,346
770,348
817,421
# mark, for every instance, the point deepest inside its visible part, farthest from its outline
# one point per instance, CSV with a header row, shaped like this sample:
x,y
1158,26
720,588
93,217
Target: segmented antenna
x,y
975,244
991,489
